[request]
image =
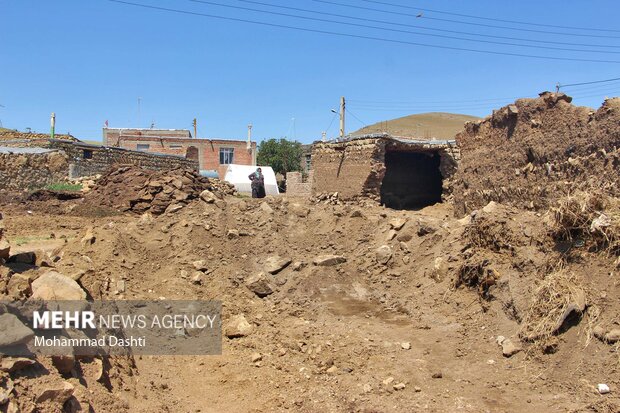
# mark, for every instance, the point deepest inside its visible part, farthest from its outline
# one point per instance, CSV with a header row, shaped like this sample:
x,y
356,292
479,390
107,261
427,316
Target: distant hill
x,y
423,125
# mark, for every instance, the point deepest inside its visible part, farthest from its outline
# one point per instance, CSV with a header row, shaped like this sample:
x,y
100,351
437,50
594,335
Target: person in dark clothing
x,y
258,183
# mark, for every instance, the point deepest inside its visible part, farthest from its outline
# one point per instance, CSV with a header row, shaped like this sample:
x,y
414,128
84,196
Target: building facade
x,y
211,154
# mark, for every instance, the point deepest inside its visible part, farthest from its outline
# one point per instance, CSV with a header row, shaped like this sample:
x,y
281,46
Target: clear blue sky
x,y
90,61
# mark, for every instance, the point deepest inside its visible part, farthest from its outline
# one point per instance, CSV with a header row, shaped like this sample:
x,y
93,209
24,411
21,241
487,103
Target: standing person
x,y
258,183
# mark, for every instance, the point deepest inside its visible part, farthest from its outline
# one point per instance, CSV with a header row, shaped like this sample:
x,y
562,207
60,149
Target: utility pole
x,y
249,144
557,87
195,124
323,136
139,99
53,125
342,108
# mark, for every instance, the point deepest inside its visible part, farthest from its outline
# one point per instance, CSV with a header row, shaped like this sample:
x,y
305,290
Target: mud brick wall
x,y
356,168
296,186
530,153
25,171
88,160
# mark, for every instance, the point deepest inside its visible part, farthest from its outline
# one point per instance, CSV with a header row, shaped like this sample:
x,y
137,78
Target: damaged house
x,y
398,172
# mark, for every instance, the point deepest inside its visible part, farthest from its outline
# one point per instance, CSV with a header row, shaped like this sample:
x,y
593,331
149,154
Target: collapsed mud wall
x,y
356,168
534,151
22,171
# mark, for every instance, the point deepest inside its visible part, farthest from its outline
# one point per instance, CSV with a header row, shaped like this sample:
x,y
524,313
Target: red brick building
x,y
211,154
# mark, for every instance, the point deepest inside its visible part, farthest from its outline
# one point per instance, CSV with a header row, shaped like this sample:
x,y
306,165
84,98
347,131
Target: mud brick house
x,y
211,154
398,172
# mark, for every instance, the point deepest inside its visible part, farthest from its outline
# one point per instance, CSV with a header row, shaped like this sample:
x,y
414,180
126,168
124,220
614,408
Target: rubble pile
x,y
130,188
5,247
535,151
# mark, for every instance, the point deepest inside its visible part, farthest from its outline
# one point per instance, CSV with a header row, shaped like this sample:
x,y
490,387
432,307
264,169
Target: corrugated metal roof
x,y
400,139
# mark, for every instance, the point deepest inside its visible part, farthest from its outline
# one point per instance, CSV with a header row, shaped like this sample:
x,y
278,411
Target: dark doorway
x,y
412,180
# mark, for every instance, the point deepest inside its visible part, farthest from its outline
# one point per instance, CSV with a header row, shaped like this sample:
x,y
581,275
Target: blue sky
x,y
90,61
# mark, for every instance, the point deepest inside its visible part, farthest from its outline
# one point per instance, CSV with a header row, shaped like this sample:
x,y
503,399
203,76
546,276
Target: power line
x,y
331,122
356,36
427,28
591,83
467,23
395,30
492,19
351,113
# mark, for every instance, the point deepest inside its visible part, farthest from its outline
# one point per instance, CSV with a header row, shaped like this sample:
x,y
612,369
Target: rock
x,y
208,196
425,228
329,260
55,286
266,208
298,265
275,264
18,286
356,214
5,393
259,284
14,332
197,278
603,388
399,386
405,346
490,208
509,348
391,235
388,381
383,254
238,326
437,375
417,389
120,286
405,236
613,336
64,364
5,249
232,234
367,388
11,364
172,208
28,258
599,332
56,393
88,238
440,269
256,357
200,265
332,370
398,223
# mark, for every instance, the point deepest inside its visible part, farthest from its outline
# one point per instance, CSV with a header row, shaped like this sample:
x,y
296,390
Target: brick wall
x,y
296,185
208,150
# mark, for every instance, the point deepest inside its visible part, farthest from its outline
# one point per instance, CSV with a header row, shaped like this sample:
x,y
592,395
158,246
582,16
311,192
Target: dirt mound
x,y
535,151
130,188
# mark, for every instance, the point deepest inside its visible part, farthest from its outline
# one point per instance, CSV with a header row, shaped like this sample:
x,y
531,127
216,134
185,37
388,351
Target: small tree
x,y
281,154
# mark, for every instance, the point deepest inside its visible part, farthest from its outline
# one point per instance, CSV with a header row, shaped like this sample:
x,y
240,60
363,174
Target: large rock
x,y
18,286
383,254
55,286
208,196
5,249
329,260
238,326
398,223
259,284
11,364
275,264
56,393
13,331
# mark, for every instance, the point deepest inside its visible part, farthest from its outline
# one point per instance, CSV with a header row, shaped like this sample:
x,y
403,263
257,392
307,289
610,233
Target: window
x,y
226,155
175,146
308,162
87,154
144,147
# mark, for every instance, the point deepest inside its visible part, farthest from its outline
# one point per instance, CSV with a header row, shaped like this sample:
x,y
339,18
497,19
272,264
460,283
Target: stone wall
x,y
356,168
296,185
24,171
88,160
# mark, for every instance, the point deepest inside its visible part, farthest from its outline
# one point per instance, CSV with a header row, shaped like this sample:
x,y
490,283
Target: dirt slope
x,y
423,125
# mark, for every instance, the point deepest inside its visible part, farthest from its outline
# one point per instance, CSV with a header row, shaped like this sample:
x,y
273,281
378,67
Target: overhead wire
x,y
491,18
352,114
295,16
357,36
463,22
279,6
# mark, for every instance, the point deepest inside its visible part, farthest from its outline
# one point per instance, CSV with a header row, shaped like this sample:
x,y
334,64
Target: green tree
x,y
281,154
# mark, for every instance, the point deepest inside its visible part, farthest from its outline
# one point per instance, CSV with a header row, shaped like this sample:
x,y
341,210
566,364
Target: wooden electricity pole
x,y
342,109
